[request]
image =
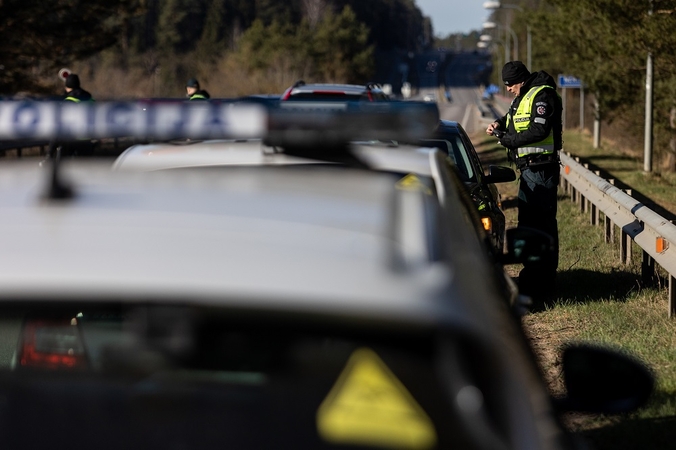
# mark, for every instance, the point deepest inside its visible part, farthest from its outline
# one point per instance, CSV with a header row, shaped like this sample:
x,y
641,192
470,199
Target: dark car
x,y
452,138
449,135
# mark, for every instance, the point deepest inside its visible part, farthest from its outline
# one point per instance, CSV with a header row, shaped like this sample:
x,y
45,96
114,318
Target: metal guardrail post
x,y
627,239
672,297
609,230
625,248
648,274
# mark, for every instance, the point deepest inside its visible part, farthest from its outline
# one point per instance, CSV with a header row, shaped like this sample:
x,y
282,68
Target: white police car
x,y
303,306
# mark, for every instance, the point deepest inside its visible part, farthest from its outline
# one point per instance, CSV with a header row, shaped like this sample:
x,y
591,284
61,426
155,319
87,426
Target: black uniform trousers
x,y
537,203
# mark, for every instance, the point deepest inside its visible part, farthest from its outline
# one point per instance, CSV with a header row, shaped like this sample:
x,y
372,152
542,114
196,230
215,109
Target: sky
x,y
454,16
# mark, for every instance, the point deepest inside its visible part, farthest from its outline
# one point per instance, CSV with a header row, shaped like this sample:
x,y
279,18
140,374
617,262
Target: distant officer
x,y
193,91
74,92
532,132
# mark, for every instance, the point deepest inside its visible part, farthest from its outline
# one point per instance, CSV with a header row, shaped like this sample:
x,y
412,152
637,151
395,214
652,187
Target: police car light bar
x,y
306,124
215,120
95,120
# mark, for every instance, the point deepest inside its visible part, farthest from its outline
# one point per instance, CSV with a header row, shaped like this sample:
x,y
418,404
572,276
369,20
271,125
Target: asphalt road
x,y
453,80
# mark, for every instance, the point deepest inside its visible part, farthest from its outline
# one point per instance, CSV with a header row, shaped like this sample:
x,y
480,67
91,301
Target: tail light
x,y
53,345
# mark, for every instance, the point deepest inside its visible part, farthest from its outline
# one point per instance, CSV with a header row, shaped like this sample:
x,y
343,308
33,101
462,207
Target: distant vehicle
x,y
489,92
430,98
431,66
302,91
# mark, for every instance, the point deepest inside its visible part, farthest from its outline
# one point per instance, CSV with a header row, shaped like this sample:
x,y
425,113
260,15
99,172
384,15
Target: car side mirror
x,y
600,380
499,174
527,245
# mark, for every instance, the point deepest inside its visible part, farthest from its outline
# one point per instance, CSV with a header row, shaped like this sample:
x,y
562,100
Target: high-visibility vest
x,y
522,122
77,100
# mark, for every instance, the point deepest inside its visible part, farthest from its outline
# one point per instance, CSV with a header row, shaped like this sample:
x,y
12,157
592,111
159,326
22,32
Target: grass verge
x,y
603,301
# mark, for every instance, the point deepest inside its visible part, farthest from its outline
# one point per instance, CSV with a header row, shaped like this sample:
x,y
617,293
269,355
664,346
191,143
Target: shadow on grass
x,y
510,203
585,286
638,433
580,286
653,434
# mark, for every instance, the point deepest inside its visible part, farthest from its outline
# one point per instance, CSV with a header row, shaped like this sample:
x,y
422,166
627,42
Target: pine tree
x,y
38,37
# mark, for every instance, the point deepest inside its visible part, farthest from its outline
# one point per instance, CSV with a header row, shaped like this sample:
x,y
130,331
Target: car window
x,y
456,150
227,380
471,152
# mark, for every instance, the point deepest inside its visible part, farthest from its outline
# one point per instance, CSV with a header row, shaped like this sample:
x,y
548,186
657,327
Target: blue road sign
x,y
569,81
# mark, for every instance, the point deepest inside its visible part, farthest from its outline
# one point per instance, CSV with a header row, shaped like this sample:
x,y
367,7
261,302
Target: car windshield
x,y
178,377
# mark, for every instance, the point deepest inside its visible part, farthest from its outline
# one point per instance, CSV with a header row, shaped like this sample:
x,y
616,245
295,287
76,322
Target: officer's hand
x,y
491,128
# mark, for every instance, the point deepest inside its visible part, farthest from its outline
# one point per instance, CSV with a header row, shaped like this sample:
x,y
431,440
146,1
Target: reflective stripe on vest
x,y
522,122
77,100
198,97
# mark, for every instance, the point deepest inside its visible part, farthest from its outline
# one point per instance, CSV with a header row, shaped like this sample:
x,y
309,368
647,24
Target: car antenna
x,y
57,189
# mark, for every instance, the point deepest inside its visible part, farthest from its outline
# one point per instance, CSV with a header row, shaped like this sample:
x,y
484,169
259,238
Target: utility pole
x,y
648,139
494,5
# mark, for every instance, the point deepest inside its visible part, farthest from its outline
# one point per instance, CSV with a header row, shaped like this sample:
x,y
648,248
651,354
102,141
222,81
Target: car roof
x,y
450,125
245,238
384,156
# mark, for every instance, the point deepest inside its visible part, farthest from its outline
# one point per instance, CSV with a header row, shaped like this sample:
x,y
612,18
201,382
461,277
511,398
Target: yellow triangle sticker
x,y
411,182
368,405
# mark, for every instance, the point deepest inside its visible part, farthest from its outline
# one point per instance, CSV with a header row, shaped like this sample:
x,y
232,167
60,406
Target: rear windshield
x,y
327,96
174,378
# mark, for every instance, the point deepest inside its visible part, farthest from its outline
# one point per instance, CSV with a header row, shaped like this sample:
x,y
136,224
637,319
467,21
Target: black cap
x,y
72,81
514,72
192,83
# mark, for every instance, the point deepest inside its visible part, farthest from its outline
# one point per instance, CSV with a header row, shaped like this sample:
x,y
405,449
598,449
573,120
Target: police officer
x,y
193,91
532,133
74,92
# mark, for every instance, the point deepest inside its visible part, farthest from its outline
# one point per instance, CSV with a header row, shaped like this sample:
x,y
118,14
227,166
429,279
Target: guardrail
x,y
19,145
655,235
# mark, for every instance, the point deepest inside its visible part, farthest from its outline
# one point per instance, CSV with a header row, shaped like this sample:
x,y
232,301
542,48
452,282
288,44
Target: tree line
x,y
606,44
150,47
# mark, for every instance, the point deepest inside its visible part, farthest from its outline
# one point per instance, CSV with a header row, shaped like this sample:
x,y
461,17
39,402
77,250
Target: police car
x,y
449,136
303,306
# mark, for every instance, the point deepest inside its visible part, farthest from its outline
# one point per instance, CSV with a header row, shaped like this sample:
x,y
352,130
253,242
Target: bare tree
x,y
314,11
